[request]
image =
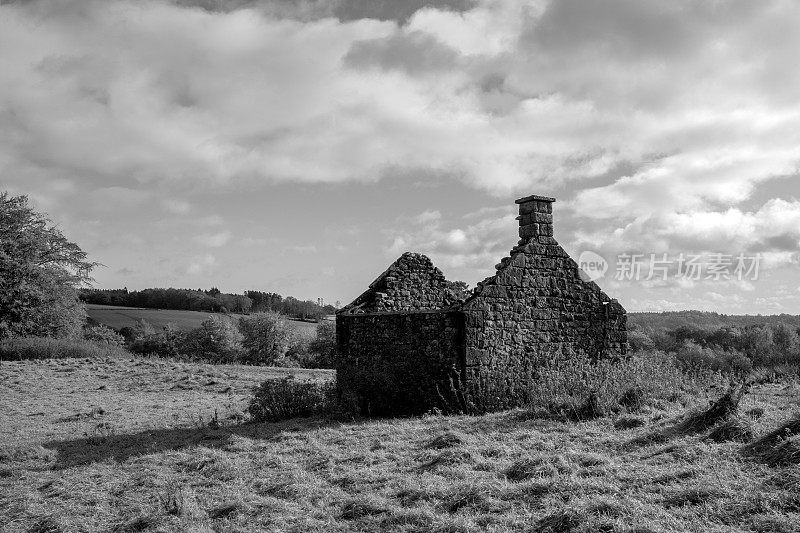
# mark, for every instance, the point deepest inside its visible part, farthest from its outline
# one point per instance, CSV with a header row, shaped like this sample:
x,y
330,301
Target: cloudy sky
x,y
299,146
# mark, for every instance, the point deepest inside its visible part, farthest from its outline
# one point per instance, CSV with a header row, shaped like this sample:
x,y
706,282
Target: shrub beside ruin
x,y
287,398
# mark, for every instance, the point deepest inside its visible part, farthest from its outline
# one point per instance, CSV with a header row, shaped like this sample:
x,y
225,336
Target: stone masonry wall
x,y
412,283
408,344
393,364
534,310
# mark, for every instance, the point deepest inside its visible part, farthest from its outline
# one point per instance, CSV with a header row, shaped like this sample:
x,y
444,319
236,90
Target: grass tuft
x,y
720,410
224,509
629,422
535,467
734,429
690,496
779,447
447,439
561,521
45,524
634,399
139,523
360,508
447,458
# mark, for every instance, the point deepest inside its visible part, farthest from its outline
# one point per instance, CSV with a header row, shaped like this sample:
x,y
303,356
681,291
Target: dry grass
x,y
52,400
501,472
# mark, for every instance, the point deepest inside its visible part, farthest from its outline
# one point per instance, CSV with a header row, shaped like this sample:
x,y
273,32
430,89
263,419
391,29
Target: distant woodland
x,y
208,300
705,319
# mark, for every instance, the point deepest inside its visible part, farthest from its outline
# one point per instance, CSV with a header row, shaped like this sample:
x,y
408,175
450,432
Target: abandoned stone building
x,y
413,342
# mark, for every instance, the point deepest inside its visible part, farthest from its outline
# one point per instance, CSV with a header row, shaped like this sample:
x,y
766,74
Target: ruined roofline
x,y
392,287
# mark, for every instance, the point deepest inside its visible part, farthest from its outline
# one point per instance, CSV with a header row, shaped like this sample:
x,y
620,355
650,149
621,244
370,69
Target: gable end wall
x,y
535,310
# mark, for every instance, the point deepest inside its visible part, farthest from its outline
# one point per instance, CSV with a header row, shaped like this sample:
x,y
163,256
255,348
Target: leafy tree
x,y
324,344
217,339
640,341
458,290
266,337
40,270
787,342
758,343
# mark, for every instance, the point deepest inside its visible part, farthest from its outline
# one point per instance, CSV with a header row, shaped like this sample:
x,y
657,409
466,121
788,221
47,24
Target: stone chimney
x,y
535,217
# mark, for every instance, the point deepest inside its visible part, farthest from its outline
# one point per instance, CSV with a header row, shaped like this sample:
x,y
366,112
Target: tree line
x,y
729,348
211,300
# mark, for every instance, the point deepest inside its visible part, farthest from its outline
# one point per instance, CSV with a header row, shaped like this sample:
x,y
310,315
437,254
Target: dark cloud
x,y
637,28
345,10
785,242
396,10
617,26
414,52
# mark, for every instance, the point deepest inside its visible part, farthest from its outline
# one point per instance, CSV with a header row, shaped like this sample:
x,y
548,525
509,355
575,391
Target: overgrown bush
x,y
48,348
287,398
266,337
693,356
142,328
167,343
104,335
217,340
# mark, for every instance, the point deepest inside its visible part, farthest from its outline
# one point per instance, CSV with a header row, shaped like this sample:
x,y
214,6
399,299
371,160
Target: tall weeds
x,y
49,348
641,379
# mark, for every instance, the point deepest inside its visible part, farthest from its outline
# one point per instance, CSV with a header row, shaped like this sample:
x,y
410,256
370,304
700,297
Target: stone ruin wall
x,y
407,344
397,363
412,283
536,309
398,343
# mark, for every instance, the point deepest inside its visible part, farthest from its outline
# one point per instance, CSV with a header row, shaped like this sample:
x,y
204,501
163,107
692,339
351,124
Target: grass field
x,y
120,317
126,445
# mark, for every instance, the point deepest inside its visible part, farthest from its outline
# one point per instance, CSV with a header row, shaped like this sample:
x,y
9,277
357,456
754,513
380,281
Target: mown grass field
x,y
120,317
126,445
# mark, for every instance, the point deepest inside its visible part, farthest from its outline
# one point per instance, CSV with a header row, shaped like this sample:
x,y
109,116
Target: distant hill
x,y
705,319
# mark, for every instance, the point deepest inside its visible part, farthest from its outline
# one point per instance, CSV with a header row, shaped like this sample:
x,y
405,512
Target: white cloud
x,y
210,220
303,249
543,94
428,217
253,241
478,245
177,206
201,264
214,240
655,122
773,230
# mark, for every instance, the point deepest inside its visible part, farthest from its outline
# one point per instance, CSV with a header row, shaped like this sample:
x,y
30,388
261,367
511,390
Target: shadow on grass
x,y
92,449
